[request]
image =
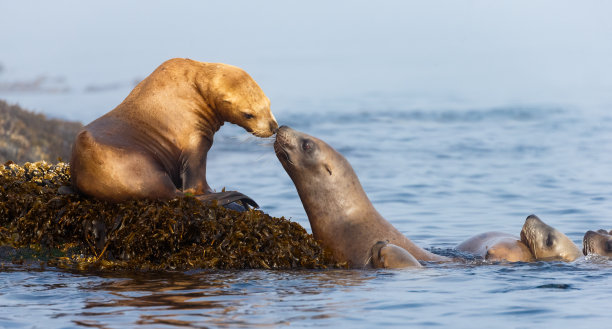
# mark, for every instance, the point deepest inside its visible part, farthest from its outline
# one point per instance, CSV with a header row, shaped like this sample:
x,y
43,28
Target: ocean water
x,y
438,175
458,117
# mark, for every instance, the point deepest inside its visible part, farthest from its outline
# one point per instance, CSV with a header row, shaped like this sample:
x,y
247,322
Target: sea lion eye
x,y
306,145
550,240
609,246
248,116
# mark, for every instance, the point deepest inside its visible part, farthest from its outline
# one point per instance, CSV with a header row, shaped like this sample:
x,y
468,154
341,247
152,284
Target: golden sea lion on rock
x,y
340,214
538,241
154,144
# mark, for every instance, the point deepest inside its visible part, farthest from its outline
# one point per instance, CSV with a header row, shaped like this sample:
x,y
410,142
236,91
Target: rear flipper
x,y
387,255
229,199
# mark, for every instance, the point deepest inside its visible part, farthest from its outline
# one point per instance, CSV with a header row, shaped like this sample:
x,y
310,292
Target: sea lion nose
x,y
589,235
282,128
586,242
273,126
532,220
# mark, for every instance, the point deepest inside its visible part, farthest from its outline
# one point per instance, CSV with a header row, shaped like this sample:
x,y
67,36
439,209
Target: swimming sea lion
x,y
546,242
154,144
597,243
340,214
538,241
497,246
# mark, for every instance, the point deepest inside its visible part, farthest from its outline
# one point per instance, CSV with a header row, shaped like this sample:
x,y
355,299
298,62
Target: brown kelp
x,y
39,212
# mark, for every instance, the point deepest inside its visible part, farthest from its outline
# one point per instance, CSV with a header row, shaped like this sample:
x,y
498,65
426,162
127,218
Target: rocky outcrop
x,y
26,136
41,220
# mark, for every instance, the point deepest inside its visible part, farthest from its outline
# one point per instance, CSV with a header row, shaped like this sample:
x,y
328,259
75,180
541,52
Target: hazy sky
x,y
418,52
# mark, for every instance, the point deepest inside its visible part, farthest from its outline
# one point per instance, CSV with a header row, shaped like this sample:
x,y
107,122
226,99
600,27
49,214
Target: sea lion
x,y
597,243
538,241
387,255
497,246
341,216
546,242
154,144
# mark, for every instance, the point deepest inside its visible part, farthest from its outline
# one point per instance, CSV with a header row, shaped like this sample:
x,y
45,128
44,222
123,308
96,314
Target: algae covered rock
x,y
66,229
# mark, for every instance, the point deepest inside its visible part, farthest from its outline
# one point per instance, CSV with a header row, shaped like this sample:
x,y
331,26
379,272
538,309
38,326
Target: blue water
x,y
440,176
458,117
515,296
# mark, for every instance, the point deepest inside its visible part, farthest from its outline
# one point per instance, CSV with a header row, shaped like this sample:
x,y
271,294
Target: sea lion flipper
x,y
227,197
387,255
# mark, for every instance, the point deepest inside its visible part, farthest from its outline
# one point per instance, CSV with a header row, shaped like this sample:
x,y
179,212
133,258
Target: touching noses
x,y
273,126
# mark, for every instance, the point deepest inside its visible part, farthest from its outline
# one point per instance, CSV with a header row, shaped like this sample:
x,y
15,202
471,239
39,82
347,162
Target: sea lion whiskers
x,y
281,151
260,141
265,158
267,142
241,138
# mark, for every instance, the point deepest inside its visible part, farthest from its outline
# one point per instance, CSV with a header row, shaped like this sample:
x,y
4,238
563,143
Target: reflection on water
x,y
406,92
441,295
246,298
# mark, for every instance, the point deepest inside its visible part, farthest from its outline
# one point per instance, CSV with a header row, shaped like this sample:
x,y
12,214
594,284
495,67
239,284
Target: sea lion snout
x,y
532,225
282,144
599,243
532,220
284,129
283,136
273,126
262,128
587,242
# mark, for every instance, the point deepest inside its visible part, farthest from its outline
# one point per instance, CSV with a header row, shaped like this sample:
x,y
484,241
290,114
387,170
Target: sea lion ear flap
x,y
328,168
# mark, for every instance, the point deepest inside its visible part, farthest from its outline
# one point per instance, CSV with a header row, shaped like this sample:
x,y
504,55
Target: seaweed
x,y
39,212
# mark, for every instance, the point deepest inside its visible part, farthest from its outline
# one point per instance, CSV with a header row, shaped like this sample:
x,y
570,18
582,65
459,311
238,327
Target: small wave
x,y
597,259
525,310
514,113
548,286
567,211
477,115
561,286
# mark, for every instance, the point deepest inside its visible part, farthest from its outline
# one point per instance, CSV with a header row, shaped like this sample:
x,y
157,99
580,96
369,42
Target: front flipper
x,y
228,197
387,255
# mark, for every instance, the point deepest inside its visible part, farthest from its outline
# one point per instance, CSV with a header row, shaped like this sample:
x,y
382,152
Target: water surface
x,y
439,176
458,117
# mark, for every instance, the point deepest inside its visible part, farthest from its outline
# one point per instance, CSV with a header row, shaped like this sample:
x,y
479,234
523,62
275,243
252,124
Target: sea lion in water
x,y
497,246
546,242
341,216
538,241
154,144
597,243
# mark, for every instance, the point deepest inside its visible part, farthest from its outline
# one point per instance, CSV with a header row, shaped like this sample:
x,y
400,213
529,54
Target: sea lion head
x,y
598,243
324,179
241,101
546,242
307,159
